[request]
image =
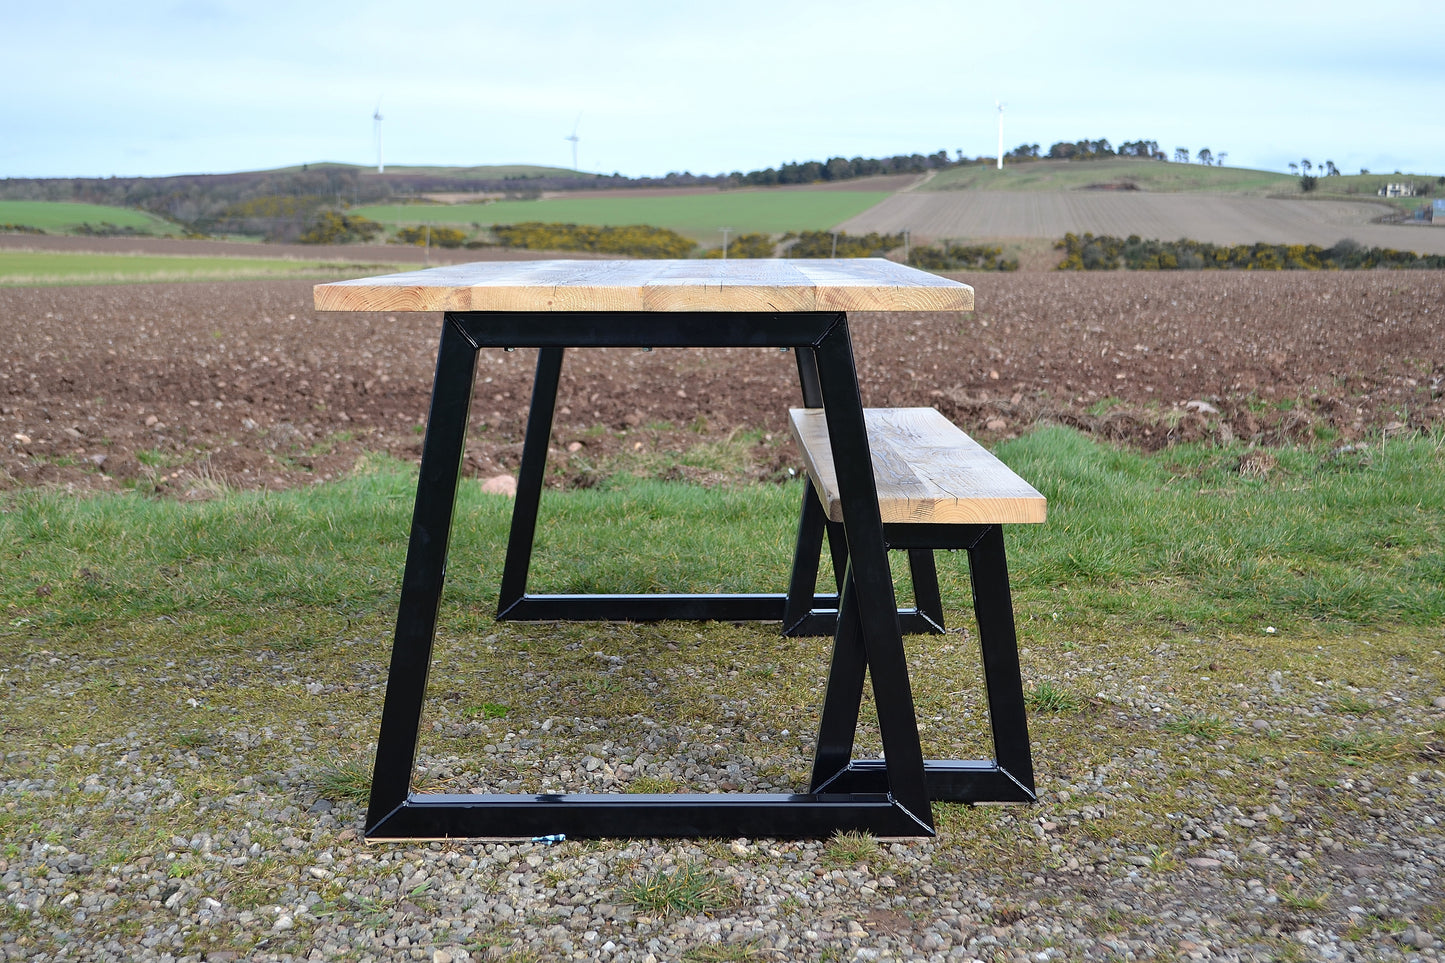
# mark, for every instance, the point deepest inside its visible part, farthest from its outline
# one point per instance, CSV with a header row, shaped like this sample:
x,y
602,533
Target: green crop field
x,y
48,268
60,216
699,216
1155,176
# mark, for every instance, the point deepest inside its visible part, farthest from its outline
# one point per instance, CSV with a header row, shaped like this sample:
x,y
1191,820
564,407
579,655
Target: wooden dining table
x,y
802,305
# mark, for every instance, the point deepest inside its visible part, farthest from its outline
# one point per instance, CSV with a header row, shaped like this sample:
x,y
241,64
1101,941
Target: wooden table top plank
x,y
763,285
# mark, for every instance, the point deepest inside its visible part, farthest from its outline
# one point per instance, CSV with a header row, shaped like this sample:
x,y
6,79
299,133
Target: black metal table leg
x,y
530,476
870,577
892,802
421,583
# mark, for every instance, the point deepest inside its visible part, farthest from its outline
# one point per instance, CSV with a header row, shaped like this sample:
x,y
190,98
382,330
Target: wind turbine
x,y
376,131
999,105
574,138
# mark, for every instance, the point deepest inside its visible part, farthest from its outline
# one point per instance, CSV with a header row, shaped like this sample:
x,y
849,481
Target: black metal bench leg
x,y
993,608
421,583
530,476
842,697
926,598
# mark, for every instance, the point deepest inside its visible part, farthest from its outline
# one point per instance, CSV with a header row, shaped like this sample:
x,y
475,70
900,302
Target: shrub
x,y
746,246
950,256
334,227
823,244
638,240
427,236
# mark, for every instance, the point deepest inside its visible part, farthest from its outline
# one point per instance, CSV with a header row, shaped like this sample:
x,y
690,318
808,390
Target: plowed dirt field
x,y
183,389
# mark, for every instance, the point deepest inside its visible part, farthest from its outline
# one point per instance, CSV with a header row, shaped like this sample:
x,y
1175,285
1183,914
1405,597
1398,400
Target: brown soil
x,y
177,388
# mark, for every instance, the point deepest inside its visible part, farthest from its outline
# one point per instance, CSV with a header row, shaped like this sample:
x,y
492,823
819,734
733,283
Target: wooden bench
x,y
937,489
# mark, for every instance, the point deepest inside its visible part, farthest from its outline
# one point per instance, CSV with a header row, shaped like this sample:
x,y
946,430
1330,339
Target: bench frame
x,y
1009,776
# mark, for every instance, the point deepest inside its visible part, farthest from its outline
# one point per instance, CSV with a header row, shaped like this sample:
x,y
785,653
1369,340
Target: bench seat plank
x,y
926,470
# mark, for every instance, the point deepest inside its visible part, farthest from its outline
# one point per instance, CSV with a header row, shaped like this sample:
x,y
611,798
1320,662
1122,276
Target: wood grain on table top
x,y
763,285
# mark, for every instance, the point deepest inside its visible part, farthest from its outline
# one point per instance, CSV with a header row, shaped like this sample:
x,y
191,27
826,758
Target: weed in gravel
x,y
649,785
687,890
1301,899
727,953
1047,697
1200,724
853,847
1353,705
1362,747
348,779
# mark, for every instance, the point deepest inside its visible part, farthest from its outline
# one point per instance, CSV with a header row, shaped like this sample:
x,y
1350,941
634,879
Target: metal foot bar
x,y
778,815
1009,776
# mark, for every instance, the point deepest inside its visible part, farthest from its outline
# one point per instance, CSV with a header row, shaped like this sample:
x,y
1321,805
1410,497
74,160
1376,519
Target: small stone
x,y
574,446
321,806
441,956
1439,702
995,424
73,434
283,923
1417,938
500,485
1203,862
152,421
21,437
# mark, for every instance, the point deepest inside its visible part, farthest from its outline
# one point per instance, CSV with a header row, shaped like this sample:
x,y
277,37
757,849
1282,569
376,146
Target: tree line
x,y
1088,149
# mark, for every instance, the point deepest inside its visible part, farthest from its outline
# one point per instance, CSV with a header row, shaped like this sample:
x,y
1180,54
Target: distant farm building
x,y
1398,190
1437,212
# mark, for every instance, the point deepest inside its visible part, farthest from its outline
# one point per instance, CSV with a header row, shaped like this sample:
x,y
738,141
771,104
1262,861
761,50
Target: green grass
x,y
699,216
1174,538
62,216
1154,176
47,268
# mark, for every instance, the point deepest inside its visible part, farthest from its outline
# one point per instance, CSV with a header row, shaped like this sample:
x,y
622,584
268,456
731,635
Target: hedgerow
x,y
333,227
746,246
841,244
638,240
950,256
1108,253
427,236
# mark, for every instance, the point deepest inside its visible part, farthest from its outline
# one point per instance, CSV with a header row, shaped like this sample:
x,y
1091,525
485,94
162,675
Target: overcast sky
x,y
102,88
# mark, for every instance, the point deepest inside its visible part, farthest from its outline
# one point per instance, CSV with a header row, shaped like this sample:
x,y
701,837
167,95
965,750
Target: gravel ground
x,y
225,843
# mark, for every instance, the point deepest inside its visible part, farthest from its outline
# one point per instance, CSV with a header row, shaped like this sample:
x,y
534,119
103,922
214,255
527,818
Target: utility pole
x,y
999,105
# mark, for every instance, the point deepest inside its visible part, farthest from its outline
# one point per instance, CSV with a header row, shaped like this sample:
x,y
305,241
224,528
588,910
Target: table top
x,y
771,285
